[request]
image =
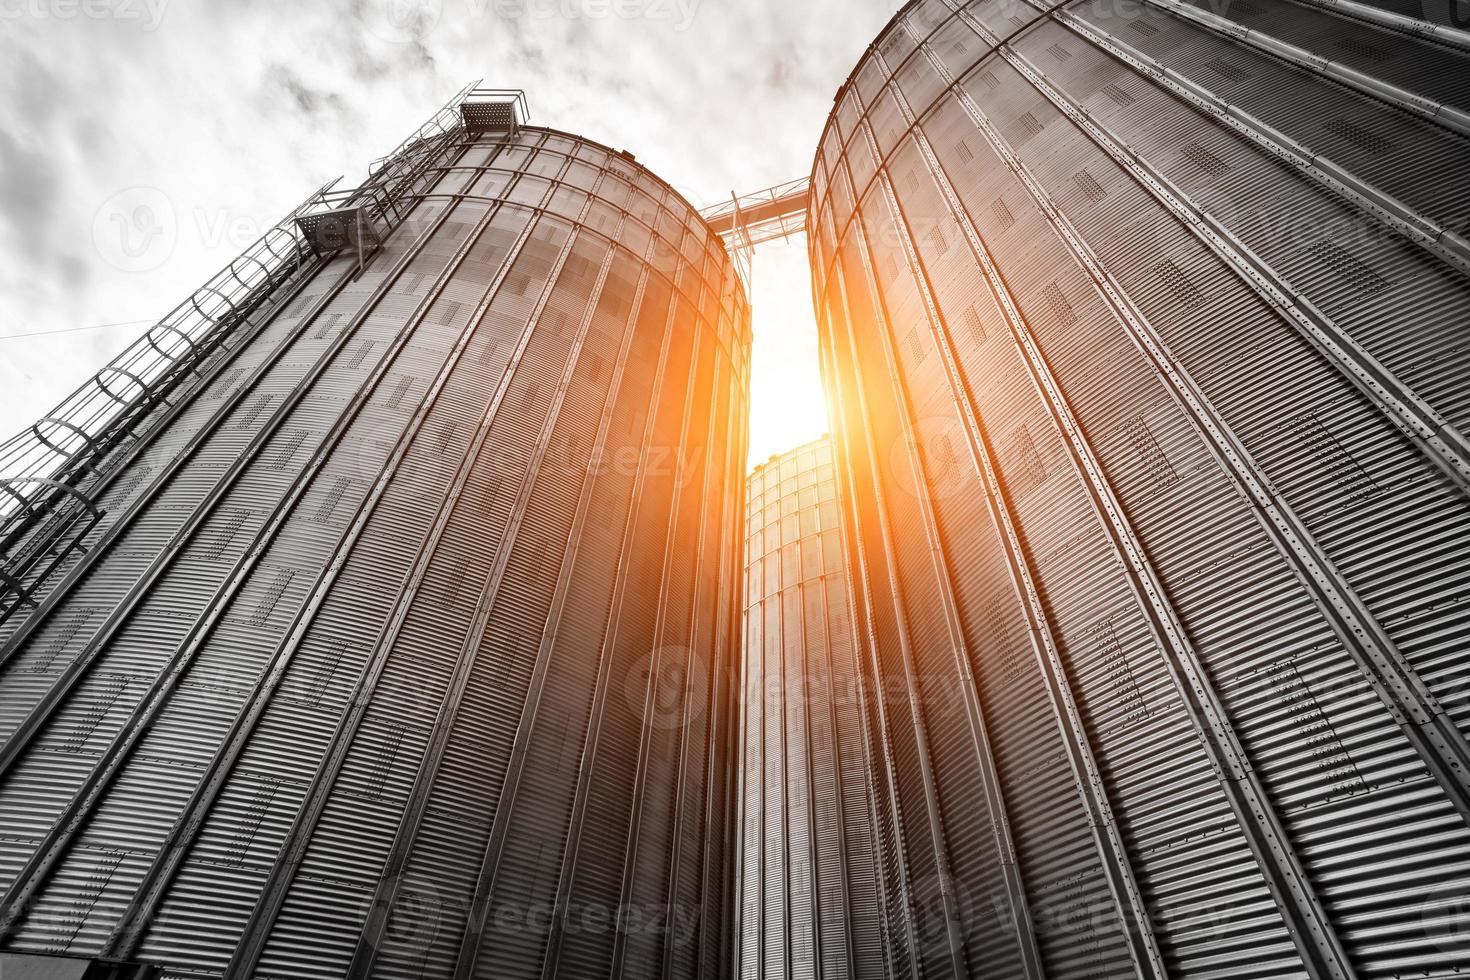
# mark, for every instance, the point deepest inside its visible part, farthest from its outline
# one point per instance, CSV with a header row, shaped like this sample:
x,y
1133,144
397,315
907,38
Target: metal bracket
x,y
494,111
328,232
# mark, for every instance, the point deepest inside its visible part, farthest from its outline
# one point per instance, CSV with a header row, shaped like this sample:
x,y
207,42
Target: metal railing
x,y
749,220
50,471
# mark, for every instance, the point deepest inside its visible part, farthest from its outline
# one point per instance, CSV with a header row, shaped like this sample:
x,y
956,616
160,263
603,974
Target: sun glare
x,y
787,404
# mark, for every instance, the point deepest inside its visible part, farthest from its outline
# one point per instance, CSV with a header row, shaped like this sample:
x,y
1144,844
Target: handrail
x,y
748,220
99,417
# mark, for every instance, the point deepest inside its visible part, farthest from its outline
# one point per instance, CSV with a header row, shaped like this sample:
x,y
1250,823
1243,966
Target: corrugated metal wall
x,y
1145,331
407,648
807,880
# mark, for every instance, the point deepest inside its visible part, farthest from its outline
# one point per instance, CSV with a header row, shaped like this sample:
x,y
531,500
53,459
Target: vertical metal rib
x,y
1020,915
1282,869
1440,442
717,882
691,677
640,780
506,803
1116,862
873,794
390,882
274,895
846,903
130,931
1449,116
587,764
953,950
89,794
1394,680
861,580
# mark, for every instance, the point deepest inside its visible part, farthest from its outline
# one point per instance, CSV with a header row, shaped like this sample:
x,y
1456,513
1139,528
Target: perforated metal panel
x,y
407,647
1144,333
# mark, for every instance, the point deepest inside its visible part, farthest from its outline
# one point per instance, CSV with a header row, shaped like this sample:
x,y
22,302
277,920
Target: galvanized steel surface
x,y
1144,329
808,886
422,663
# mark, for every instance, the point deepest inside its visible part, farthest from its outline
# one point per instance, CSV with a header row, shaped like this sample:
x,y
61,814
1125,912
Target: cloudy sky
x,y
223,116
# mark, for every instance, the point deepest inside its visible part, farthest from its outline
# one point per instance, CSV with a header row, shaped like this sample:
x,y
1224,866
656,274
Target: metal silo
x,y
809,895
1145,325
378,616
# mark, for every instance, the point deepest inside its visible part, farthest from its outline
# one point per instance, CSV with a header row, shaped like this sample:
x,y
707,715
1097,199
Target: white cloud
x,y
221,117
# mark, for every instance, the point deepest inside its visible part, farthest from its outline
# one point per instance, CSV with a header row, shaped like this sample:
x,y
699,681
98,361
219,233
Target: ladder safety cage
x,y
49,470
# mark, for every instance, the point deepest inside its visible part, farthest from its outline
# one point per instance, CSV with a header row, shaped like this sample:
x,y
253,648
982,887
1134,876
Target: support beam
x,y
749,220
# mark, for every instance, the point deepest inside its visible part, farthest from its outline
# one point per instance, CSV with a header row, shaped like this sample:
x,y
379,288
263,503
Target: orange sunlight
x,y
787,404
